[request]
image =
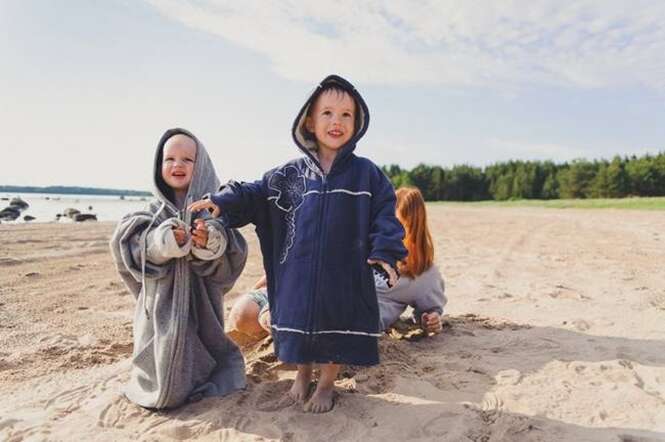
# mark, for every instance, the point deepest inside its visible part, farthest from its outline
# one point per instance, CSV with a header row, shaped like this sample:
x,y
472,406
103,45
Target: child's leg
x,y
300,386
264,319
389,311
323,398
244,317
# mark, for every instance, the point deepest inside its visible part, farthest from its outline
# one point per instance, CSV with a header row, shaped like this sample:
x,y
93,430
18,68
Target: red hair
x,y
410,211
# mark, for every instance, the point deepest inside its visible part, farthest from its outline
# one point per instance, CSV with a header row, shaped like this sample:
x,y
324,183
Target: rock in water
x,y
10,213
80,217
28,218
70,213
18,202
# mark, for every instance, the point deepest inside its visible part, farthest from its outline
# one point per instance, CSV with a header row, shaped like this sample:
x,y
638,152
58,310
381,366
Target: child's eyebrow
x,y
344,109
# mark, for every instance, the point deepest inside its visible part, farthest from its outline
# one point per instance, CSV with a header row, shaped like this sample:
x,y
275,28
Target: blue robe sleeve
x,y
386,233
240,203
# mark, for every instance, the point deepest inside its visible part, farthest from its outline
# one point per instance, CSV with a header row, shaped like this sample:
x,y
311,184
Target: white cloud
x,y
497,44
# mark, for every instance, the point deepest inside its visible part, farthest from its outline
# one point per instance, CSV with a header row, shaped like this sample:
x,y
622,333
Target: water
x,y
44,207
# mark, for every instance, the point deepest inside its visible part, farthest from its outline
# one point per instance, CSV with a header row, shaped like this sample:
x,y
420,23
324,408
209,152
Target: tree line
x,y
618,178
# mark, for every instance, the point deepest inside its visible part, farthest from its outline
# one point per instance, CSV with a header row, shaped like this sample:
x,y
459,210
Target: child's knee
x,y
243,315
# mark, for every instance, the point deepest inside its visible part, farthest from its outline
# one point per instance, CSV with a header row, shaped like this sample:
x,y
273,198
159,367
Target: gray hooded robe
x,y
180,349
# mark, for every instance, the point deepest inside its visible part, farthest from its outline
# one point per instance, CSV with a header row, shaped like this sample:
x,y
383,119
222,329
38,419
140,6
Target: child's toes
x,y
321,403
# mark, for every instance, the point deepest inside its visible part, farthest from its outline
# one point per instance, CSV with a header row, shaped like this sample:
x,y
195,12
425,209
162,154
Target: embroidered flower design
x,y
290,185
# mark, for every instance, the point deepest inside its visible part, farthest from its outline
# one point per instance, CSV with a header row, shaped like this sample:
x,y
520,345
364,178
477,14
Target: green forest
x,y
515,180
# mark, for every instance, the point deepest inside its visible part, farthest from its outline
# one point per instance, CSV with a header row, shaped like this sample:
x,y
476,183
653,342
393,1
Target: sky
x,y
87,87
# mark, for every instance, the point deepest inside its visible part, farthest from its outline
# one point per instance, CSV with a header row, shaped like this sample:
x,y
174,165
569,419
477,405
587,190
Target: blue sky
x,y
88,87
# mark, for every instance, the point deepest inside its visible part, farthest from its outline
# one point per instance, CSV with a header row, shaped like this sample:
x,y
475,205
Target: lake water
x,y
44,207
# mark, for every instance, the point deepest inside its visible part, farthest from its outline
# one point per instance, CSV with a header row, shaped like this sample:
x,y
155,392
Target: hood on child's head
x,y
305,139
204,177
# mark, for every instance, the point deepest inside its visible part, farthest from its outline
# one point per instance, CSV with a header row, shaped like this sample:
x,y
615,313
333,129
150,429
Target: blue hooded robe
x,y
316,232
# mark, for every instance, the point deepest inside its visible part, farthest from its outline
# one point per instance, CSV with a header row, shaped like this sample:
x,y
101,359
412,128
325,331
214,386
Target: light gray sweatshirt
x,y
425,293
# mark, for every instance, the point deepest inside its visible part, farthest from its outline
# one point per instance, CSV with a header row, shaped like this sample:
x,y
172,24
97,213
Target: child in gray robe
x,y
178,271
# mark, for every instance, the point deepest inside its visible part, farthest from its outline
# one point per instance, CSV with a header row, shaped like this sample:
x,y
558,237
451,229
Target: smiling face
x,y
332,120
178,162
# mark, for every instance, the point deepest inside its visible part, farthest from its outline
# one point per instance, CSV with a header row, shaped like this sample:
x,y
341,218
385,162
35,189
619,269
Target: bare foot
x,y
300,388
322,400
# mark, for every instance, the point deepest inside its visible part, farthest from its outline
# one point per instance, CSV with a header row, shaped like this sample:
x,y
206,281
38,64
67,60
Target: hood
x,y
204,178
305,140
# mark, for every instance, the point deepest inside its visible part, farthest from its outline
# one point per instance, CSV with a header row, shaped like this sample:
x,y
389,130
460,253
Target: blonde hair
x,y
410,211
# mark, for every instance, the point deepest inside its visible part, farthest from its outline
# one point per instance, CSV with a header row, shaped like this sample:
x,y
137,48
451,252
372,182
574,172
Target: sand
x,y
555,330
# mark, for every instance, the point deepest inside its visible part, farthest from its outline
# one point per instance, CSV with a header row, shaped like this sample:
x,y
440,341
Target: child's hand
x,y
431,322
392,275
180,236
197,206
200,233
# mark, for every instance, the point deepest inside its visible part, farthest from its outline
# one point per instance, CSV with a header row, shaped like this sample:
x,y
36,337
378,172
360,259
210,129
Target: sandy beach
x,y
554,331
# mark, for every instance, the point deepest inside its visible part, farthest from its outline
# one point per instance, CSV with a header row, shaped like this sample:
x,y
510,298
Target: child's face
x,y
332,119
178,162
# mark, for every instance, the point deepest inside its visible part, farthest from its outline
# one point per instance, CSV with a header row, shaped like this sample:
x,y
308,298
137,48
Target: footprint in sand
x,y
176,432
8,365
439,426
9,261
155,423
581,324
508,377
68,401
273,396
7,424
563,292
119,412
658,301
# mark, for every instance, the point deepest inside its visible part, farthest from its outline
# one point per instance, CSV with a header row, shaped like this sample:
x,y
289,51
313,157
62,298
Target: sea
x,y
45,206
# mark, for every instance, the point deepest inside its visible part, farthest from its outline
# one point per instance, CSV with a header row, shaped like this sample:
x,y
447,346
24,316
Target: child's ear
x,y
309,124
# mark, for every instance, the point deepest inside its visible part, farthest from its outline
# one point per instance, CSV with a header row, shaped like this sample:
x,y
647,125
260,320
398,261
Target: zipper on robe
x,y
181,314
319,259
